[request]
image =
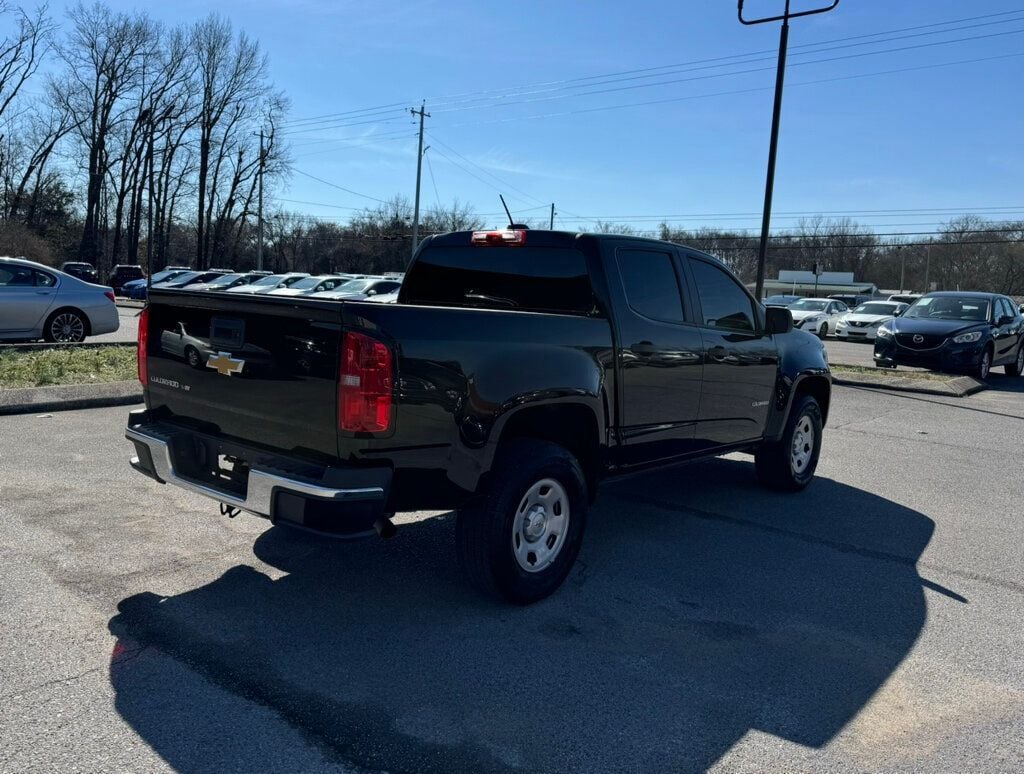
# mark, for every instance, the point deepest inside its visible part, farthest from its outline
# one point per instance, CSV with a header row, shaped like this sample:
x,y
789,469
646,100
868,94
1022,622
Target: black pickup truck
x,y
518,369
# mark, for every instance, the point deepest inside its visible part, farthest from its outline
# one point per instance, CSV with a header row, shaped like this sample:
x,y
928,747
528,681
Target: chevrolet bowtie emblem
x,y
225,364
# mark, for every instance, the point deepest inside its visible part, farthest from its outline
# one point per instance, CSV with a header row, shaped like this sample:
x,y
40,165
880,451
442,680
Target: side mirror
x,y
371,292
778,319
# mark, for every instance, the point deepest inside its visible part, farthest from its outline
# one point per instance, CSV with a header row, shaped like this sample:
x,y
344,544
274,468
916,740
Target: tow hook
x,y
229,510
385,527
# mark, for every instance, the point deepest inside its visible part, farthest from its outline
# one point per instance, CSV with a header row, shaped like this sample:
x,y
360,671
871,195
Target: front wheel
x,y
1017,366
788,464
823,331
521,537
981,371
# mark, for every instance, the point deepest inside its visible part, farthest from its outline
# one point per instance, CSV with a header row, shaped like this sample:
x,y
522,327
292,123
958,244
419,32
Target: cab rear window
x,y
531,279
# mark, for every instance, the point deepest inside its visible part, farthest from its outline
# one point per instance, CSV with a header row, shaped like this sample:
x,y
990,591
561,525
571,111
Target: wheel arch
x,y
573,425
69,308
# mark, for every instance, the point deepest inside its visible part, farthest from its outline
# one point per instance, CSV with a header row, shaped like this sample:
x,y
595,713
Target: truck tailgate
x,y
258,369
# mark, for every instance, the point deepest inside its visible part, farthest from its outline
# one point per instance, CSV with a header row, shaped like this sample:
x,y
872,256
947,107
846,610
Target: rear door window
x,y
532,279
650,282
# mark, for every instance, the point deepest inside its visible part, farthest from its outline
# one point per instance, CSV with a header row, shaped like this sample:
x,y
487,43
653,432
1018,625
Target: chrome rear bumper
x,y
263,485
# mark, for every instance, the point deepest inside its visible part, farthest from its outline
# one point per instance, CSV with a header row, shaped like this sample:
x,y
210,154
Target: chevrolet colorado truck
x,y
517,371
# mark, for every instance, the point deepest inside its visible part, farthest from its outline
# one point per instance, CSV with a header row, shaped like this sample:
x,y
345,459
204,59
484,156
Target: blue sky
x,y
937,137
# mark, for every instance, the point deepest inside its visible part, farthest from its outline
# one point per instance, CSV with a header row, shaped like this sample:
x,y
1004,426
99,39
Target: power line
x,y
505,183
399,107
433,181
340,187
732,92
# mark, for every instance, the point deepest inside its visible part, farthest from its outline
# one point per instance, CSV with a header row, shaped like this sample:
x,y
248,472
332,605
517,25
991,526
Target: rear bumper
x,y
332,499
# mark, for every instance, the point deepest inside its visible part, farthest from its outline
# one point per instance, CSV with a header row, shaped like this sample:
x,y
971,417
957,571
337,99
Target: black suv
x,y
123,273
81,270
958,332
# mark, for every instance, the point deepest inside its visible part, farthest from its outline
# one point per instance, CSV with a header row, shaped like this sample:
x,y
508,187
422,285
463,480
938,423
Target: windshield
x,y
224,279
950,308
876,309
187,276
273,279
809,305
306,283
353,286
166,274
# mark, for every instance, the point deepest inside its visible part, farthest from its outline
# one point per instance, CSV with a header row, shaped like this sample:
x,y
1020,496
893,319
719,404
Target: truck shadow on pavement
x,y
703,608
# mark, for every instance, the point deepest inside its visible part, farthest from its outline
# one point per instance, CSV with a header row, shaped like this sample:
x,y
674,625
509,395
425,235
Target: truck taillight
x,y
364,385
143,352
508,237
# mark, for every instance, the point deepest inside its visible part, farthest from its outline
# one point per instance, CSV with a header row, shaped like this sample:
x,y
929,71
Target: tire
x,y
65,325
778,464
984,367
498,532
193,358
1017,366
823,331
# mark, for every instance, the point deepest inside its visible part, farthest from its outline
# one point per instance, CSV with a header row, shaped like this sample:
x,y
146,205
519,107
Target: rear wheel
x,y
788,464
65,325
1017,366
521,537
192,357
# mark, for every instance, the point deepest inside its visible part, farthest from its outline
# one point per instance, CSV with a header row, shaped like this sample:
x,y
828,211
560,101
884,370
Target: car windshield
x,y
273,279
876,309
306,283
949,308
809,305
224,279
353,286
187,276
166,274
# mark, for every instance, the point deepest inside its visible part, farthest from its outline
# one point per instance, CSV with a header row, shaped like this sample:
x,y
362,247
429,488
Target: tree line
x,y
121,135
123,140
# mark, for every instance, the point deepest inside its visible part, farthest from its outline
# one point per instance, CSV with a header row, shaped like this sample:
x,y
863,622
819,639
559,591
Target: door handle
x,y
42,292
644,348
717,353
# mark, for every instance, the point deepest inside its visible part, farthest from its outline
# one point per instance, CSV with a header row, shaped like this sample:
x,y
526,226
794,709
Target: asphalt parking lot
x,y
872,622
128,329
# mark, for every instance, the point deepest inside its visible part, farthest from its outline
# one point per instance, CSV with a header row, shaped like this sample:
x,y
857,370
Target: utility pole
x,y
903,265
927,266
259,213
552,226
149,203
419,171
780,75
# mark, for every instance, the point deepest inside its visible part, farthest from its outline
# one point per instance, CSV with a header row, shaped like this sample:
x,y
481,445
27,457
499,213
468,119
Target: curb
x,y
38,345
955,387
29,400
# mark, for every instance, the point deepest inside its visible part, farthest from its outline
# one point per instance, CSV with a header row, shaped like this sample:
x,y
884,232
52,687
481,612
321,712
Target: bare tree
x,y
232,75
103,55
23,50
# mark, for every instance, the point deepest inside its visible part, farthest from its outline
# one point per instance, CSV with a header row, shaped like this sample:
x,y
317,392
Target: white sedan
x,y
819,316
863,322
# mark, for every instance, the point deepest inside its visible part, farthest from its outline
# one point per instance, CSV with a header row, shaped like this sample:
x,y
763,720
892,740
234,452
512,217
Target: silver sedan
x,y
39,302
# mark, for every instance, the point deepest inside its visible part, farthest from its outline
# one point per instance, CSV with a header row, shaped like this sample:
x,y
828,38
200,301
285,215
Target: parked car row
x,y
845,317
353,287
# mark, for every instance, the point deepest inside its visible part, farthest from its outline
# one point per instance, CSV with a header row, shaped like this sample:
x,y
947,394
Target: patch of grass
x,y
43,368
869,371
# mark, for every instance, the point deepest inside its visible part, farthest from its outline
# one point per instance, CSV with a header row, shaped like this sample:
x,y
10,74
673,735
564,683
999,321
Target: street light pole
x,y
773,147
